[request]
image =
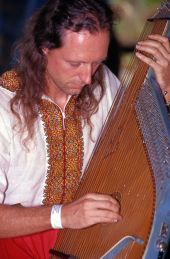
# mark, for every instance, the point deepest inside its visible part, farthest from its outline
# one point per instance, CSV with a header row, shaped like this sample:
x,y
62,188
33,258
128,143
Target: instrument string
x,y
100,179
132,67
126,81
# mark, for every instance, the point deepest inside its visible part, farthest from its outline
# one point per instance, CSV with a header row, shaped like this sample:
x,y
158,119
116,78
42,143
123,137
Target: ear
x,y
45,51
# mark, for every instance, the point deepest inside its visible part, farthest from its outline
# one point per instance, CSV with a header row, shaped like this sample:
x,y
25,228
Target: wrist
x,y
56,221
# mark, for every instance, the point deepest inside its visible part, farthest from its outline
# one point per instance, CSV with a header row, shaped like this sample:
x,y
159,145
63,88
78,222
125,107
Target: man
x,y
53,107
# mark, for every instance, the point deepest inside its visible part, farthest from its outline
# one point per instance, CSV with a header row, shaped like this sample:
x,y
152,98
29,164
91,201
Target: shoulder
x,y
5,94
9,83
5,97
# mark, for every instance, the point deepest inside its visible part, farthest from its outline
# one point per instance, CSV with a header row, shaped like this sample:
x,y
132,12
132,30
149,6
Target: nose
x,y
86,74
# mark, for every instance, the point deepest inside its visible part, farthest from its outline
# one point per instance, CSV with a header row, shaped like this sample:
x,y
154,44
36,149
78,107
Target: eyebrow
x,y
80,61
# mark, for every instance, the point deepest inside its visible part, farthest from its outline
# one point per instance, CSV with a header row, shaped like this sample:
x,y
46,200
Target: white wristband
x,y
56,216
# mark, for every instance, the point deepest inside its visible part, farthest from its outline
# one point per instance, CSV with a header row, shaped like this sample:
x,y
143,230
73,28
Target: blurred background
x,y
132,15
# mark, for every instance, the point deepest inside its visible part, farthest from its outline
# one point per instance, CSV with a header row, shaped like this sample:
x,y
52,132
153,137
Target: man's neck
x,y
59,98
61,101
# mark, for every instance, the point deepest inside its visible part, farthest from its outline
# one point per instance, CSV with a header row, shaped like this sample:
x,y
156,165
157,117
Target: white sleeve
x,y
4,149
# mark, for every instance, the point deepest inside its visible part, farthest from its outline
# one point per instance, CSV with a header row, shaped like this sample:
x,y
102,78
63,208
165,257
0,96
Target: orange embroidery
x,y
65,148
10,80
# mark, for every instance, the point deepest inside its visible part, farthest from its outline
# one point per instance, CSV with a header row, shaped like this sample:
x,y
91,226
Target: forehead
x,y
85,45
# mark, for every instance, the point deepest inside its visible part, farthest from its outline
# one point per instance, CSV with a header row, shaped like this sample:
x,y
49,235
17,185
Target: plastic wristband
x,y
56,216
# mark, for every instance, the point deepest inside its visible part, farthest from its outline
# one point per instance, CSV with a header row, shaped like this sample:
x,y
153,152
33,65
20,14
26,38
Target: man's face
x,y
72,66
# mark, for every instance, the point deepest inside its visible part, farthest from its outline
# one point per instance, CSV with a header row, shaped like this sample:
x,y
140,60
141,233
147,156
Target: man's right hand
x,y
89,210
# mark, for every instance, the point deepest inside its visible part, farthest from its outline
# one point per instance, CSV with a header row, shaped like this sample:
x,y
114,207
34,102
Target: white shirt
x,y
22,172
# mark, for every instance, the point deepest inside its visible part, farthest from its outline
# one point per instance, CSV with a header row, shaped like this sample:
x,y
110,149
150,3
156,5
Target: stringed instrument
x,y
131,162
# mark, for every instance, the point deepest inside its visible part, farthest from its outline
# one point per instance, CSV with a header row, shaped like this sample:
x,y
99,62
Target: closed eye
x,y
75,64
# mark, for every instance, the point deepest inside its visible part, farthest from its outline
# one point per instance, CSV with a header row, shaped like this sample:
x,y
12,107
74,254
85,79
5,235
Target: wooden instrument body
x,y
123,166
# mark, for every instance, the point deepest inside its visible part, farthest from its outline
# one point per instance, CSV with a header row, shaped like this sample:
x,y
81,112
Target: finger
x,y
158,64
151,62
103,217
101,197
154,48
102,205
101,213
162,39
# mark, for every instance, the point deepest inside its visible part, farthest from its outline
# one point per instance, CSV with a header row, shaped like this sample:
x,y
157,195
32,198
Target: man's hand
x,y
89,210
158,47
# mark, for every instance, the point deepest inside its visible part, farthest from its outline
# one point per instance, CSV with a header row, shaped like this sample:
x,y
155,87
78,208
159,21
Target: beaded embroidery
x,y
66,152
10,80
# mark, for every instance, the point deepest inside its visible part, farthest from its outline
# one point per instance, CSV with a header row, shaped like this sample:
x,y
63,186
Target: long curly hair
x,y
45,30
